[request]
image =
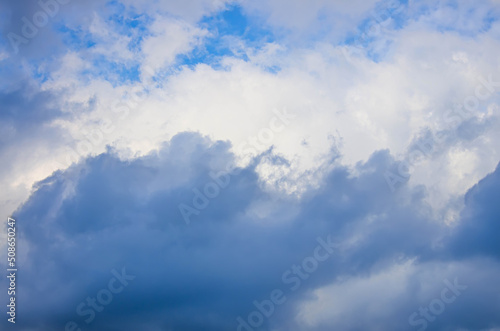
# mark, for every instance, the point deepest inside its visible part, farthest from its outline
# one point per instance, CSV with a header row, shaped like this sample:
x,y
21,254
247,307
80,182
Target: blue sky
x,y
251,165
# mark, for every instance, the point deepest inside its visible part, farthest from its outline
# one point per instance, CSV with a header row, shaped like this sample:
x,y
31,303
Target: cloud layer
x,y
106,213
237,165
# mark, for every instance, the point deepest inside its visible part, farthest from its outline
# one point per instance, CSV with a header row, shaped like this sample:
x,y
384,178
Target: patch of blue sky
x,y
378,53
234,22
467,31
120,20
229,29
386,16
113,72
489,20
75,39
126,21
465,23
40,75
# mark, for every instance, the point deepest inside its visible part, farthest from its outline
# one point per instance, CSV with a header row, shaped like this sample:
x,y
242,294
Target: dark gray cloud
x,y
26,106
477,233
106,214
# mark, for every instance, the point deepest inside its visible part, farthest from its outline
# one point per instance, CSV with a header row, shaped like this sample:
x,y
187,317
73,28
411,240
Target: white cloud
x,y
333,18
372,297
190,10
394,293
169,38
109,43
369,105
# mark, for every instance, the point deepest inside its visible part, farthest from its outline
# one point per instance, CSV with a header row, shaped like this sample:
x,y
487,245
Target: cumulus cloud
x,y
211,148
105,213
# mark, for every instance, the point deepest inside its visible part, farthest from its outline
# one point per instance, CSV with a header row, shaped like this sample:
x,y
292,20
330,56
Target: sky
x,y
251,165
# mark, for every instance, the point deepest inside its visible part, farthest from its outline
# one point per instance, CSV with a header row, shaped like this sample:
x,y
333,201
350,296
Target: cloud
x,y
382,98
409,296
118,113
25,122
476,234
316,18
170,38
105,213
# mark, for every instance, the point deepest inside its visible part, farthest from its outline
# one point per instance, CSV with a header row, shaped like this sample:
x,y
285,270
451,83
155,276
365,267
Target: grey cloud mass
x,y
105,213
